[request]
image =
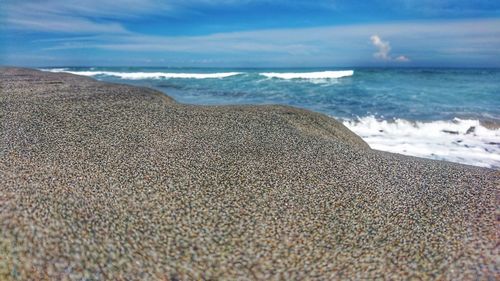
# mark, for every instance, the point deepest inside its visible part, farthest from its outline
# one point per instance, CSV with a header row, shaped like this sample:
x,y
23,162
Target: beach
x,y
104,181
450,114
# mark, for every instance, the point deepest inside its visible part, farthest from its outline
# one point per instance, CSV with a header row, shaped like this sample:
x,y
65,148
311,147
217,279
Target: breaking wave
x,y
458,140
148,75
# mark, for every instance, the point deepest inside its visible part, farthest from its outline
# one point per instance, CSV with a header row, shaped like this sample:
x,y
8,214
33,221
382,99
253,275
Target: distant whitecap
x,y
309,75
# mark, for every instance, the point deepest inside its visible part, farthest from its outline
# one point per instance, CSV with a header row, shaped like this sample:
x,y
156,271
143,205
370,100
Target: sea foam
x,y
309,75
149,75
462,141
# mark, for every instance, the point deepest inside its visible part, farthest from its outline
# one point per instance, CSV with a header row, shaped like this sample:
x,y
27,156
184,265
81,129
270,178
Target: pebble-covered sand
x,y
103,181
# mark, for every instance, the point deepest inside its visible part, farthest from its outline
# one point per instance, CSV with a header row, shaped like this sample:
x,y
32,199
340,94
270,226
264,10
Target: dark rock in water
x,y
450,132
470,130
103,181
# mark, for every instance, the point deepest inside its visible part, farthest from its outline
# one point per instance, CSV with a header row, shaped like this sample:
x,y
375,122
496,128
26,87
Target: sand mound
x,y
107,181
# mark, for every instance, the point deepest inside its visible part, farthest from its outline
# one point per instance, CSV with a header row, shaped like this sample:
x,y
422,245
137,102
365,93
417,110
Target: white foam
x,y
442,140
53,69
149,75
309,75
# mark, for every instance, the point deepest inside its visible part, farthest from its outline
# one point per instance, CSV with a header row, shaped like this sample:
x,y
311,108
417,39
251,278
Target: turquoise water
x,y
446,114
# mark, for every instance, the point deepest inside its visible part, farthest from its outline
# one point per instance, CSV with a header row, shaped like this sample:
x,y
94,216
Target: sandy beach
x,y
102,181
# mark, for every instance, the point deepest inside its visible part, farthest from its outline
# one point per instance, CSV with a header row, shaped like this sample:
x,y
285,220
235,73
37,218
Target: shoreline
x,y
461,138
102,180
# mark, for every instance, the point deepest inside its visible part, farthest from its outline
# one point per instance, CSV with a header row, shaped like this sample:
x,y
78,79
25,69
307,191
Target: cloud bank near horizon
x,y
133,32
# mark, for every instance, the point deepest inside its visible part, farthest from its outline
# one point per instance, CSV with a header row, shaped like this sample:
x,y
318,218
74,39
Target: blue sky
x,y
246,33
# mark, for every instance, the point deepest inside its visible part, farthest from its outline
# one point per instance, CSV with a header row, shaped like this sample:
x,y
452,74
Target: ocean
x,y
443,114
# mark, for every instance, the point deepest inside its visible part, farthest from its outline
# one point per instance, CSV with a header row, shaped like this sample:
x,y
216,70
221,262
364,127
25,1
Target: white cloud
x,y
384,49
402,59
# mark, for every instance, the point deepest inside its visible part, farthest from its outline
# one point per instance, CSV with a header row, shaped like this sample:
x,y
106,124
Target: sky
x,y
250,33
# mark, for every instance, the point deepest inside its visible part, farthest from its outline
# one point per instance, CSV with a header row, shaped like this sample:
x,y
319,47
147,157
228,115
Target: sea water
x,y
444,114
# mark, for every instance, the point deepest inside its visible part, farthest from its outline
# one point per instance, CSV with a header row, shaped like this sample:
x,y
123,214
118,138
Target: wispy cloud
x,y
418,39
444,8
73,16
71,28
52,16
76,16
67,25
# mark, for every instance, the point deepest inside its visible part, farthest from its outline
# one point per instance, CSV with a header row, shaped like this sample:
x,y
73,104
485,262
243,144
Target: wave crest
x,y
150,75
309,75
